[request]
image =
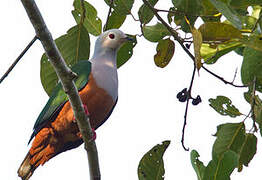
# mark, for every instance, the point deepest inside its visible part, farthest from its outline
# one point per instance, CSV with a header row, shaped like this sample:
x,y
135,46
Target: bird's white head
x,y
111,39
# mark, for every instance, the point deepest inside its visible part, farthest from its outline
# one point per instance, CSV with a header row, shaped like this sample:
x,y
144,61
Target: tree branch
x,y
18,59
108,14
66,77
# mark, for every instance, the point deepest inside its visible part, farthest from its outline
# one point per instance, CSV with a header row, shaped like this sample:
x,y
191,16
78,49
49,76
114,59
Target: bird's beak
x,y
127,38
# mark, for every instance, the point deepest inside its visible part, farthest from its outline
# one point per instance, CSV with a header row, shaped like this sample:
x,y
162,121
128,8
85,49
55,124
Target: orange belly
x,y
51,139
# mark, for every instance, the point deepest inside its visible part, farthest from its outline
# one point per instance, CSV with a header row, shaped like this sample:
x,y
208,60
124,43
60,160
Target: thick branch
x,y
66,77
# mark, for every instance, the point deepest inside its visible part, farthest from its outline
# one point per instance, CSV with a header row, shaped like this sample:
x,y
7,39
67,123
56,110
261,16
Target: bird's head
x,y
112,39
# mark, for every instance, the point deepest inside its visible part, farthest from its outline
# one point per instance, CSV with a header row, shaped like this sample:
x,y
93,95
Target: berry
x,y
196,101
183,98
179,95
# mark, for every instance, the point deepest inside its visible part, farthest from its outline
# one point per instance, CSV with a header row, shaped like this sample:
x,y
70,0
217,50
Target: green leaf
x,y
209,13
251,68
115,21
190,9
197,165
92,23
126,51
211,55
74,46
165,51
228,12
248,150
122,7
257,110
145,13
151,166
224,106
222,167
216,31
244,3
156,32
253,41
230,136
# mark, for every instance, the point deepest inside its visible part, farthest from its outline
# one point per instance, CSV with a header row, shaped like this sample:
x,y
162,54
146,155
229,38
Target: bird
x,y
55,130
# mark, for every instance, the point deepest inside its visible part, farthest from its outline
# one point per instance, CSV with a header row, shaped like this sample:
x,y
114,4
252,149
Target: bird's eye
x,y
111,36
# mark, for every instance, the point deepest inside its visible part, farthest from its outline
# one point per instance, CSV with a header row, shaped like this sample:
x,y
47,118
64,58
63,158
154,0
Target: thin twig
x,y
255,25
187,105
66,77
253,102
18,59
108,14
222,79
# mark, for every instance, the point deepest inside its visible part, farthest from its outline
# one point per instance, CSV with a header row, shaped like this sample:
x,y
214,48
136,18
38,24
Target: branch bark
x,y
66,77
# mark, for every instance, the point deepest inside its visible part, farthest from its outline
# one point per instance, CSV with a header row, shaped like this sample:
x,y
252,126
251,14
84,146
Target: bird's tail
x,y
26,170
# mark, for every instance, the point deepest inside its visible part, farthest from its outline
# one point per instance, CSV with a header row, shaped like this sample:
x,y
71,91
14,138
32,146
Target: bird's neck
x,y
106,56
104,71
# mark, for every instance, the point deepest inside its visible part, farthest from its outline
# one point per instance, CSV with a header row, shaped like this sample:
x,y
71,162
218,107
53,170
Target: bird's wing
x,y
58,97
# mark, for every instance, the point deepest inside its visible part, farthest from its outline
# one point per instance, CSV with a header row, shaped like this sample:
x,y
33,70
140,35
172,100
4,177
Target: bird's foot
x,y
86,111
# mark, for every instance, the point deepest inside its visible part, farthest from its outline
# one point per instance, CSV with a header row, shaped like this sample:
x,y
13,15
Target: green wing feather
x,y
58,97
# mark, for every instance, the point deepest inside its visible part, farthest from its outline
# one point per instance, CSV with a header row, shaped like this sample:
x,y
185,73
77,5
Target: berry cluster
x,y
183,95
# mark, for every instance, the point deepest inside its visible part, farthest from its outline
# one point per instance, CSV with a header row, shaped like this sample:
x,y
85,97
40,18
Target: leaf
x,y
92,23
155,33
145,13
216,31
228,12
197,40
257,110
244,3
251,68
122,7
74,46
248,150
151,166
224,106
253,41
190,9
165,51
211,55
230,136
197,165
115,21
210,13
222,167
126,51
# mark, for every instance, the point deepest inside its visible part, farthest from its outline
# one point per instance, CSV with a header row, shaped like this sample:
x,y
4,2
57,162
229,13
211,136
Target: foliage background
x,y
147,112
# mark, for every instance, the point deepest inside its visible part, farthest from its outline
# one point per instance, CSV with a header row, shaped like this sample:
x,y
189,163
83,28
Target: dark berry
x,y
179,95
196,101
188,46
183,98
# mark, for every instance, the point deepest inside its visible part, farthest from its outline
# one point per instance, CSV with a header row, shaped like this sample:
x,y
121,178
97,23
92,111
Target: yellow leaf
x,y
197,40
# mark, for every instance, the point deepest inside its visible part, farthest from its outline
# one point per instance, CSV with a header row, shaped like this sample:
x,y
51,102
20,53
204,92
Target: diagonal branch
x,y
66,77
18,59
